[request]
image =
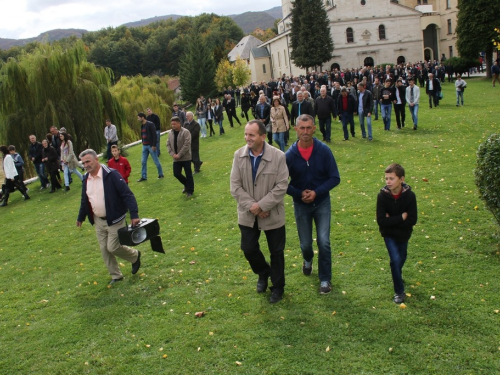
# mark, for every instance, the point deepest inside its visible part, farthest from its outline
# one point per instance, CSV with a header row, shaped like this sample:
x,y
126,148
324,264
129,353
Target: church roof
x,y
243,48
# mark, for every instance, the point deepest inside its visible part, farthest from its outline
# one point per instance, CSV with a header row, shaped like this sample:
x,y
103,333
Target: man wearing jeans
x,y
313,173
155,119
148,135
413,98
365,109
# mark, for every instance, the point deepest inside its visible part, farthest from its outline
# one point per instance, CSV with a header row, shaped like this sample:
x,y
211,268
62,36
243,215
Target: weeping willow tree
x,y
138,93
56,87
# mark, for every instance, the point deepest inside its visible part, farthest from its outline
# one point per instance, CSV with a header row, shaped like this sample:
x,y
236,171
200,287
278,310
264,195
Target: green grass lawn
x,y
58,316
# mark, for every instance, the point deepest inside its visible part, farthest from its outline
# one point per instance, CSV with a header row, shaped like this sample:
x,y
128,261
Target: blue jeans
x,y
146,151
221,128
386,115
460,95
67,172
203,126
158,134
347,118
40,171
376,104
279,138
414,114
321,214
325,126
368,124
397,253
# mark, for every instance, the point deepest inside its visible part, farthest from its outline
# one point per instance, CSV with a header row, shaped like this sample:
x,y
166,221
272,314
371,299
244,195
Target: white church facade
x,y
367,33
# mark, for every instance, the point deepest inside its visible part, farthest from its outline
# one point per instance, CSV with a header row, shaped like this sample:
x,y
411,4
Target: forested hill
x,y
47,36
248,22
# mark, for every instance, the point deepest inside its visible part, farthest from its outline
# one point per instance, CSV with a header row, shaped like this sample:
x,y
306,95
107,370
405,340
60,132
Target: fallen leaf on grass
x,y
327,349
433,297
199,314
238,363
425,179
402,306
164,356
43,301
192,262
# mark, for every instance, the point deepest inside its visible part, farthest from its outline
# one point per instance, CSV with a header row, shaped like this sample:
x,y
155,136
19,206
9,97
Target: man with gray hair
x,y
106,198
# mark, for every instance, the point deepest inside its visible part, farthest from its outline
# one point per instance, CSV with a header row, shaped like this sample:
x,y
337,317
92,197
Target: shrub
x,y
487,174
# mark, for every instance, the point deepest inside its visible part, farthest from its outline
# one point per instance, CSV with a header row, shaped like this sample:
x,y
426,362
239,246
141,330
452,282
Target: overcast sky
x,y
29,18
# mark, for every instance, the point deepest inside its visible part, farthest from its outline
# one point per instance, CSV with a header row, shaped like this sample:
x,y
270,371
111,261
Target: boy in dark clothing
x,y
396,216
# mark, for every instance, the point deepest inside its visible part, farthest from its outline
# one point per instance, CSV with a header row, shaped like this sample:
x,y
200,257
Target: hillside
x,y
248,22
47,36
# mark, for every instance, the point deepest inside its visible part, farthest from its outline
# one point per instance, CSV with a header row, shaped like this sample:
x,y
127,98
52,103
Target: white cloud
x,y
29,18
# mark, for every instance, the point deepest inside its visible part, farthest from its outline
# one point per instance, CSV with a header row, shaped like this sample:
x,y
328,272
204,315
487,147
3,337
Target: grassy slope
x,y
57,315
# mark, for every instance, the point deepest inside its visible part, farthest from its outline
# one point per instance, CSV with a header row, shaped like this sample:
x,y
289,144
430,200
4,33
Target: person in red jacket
x,y
119,163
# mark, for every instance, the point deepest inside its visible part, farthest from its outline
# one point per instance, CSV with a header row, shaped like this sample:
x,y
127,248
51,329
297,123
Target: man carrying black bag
x,y
106,198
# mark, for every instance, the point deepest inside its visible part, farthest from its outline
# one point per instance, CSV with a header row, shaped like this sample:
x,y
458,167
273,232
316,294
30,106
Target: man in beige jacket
x,y
259,180
179,147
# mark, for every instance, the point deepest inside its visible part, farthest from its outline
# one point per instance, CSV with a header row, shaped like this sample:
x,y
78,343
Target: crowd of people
x,y
307,171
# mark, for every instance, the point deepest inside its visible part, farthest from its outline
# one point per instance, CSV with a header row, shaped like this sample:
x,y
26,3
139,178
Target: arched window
x,y
381,32
401,60
335,66
350,35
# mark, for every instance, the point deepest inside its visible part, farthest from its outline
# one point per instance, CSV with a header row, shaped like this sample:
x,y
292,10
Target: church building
x,y
367,33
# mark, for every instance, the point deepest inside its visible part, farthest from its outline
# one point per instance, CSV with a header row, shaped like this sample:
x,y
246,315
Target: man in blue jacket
x,y
106,198
313,173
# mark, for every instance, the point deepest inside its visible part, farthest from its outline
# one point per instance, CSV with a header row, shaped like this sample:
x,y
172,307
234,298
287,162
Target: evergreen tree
x,y
311,42
477,20
56,87
197,69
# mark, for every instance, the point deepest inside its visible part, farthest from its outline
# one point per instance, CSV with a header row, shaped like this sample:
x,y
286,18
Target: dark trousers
x,y
195,158
230,117
245,113
276,239
109,155
54,181
400,111
211,123
347,118
187,181
433,98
